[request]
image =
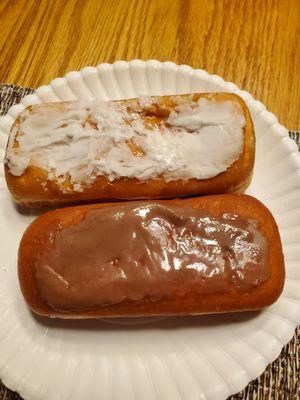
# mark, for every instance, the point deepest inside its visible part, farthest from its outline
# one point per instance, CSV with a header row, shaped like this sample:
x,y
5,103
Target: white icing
x,y
146,101
200,140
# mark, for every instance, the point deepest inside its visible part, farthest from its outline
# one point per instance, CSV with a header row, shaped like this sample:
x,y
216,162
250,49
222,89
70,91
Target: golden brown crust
x,y
32,189
35,239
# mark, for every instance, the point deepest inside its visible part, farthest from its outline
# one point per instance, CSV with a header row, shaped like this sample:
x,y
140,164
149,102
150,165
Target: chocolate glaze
x,y
149,250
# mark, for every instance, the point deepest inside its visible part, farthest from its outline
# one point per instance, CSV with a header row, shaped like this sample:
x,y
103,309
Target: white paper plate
x,y
175,358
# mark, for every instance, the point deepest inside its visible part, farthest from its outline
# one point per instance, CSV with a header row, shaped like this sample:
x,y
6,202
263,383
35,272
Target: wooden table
x,y
254,43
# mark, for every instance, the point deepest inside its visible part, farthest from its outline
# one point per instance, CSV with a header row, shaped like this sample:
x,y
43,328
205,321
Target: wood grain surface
x,y
254,43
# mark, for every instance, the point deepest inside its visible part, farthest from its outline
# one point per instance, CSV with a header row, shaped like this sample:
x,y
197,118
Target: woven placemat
x,y
281,379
